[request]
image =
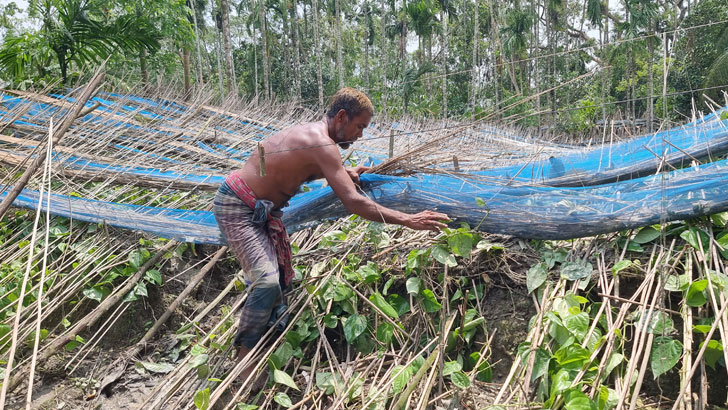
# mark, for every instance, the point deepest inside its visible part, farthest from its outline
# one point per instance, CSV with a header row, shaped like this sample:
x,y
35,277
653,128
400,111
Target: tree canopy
x,y
565,65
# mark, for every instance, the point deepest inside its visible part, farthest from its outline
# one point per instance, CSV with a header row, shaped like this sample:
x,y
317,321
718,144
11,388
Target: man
x,y
247,206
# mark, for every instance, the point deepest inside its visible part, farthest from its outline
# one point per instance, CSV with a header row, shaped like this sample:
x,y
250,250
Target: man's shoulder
x,y
307,134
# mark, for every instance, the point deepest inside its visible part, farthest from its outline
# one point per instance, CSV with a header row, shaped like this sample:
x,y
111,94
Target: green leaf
x,y
199,360
369,272
283,399
560,382
243,406
281,377
664,355
484,245
389,284
576,270
704,329
660,323
441,254
354,326
141,289
138,257
551,257
608,398
385,331
326,382
400,304
621,265
693,235
282,355
577,400
414,285
451,367
460,380
675,283
154,276
577,324
400,381
480,202
94,294
202,399
378,300
461,243
156,367
430,301
713,352
540,363
614,360
536,276
695,296
645,235
720,219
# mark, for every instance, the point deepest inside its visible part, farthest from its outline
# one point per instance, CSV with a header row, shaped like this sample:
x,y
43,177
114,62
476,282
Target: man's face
x,y
352,129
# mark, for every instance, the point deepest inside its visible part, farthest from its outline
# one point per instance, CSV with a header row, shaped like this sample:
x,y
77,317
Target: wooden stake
x,y
261,157
391,144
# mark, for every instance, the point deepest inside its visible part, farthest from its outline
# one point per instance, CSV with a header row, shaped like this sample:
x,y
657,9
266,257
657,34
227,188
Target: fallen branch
x,y
90,89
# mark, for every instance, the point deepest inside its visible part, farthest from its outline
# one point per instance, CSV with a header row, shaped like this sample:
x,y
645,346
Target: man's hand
x,y
427,220
355,172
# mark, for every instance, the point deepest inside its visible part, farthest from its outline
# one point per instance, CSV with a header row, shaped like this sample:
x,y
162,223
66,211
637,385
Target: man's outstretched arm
x,y
342,184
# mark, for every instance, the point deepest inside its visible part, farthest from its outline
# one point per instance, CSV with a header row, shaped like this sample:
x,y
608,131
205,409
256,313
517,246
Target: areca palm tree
x,y
515,38
422,18
717,76
446,10
76,33
365,17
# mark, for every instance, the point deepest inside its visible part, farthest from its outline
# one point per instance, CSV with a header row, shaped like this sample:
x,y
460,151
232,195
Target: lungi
x,y
255,233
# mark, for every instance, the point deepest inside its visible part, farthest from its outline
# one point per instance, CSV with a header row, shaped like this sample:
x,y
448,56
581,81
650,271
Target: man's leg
x,y
255,251
253,320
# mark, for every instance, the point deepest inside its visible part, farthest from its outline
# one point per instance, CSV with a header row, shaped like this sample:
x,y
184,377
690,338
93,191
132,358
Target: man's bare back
x,y
290,160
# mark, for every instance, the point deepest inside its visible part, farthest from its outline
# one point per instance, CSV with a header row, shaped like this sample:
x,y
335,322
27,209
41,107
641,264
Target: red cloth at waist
x,y
276,229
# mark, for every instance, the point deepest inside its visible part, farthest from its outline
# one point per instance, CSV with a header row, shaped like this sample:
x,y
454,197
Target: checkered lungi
x,y
254,232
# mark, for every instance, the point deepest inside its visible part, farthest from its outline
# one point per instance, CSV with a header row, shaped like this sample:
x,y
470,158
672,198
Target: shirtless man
x,y
247,206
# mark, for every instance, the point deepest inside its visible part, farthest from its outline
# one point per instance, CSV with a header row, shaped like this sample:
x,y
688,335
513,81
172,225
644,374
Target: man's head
x,y
349,113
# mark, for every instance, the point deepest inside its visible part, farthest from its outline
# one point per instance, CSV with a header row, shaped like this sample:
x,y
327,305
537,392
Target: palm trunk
x,y
536,69
297,54
229,68
429,60
318,54
219,68
143,67
552,70
264,50
651,80
444,64
383,56
186,70
495,51
197,41
473,72
255,71
287,54
339,58
366,58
